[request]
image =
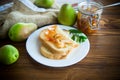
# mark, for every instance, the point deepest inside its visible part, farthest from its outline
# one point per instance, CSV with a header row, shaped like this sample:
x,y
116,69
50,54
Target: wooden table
x,y
101,63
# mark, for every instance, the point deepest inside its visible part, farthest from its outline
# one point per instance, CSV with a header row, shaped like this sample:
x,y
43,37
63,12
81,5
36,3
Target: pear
x,y
67,15
9,54
44,3
20,31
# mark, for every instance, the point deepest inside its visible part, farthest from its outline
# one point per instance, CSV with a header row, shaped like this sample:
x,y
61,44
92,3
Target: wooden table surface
x,y
101,63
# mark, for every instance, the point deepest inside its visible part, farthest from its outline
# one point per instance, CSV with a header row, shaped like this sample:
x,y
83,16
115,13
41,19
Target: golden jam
x,y
84,26
88,17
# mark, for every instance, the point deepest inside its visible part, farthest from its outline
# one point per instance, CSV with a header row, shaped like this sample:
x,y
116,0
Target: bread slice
x,y
46,53
56,42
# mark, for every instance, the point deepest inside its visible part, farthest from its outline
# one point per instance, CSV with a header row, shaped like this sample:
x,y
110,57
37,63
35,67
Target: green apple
x,y
20,31
44,3
8,54
67,15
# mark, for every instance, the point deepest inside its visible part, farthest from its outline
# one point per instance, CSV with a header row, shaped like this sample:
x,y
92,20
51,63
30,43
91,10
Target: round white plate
x,y
33,48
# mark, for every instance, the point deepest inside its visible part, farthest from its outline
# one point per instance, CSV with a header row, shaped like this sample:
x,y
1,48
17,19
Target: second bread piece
x,y
46,53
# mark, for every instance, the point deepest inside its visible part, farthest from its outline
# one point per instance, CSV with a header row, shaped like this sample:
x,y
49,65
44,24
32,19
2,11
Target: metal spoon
x,y
110,5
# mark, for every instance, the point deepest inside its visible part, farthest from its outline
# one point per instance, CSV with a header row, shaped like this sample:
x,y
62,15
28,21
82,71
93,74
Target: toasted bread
x,y
46,53
56,42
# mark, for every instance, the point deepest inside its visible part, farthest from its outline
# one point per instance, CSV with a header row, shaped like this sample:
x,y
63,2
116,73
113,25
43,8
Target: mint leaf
x,y
77,35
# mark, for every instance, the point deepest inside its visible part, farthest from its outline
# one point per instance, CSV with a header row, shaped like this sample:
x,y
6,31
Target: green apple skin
x,y
8,54
20,31
44,3
67,15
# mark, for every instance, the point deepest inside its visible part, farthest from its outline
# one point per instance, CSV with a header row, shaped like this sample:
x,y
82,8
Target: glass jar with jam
x,y
89,14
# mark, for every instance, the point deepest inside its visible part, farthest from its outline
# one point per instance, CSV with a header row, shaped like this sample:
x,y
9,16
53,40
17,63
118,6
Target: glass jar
x,y
88,18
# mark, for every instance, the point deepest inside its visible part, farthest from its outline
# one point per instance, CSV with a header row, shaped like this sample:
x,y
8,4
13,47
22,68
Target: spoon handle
x,y
115,4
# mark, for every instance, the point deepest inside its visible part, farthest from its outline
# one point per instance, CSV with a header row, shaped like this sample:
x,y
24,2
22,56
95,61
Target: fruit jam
x,y
88,17
84,26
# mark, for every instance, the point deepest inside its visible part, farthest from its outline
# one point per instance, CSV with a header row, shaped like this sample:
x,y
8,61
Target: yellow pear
x,y
21,31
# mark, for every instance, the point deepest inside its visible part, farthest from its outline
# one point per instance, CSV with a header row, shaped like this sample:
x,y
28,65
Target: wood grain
x,y
101,63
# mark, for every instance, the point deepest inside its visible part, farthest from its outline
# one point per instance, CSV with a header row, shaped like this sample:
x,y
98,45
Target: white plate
x,y
33,48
